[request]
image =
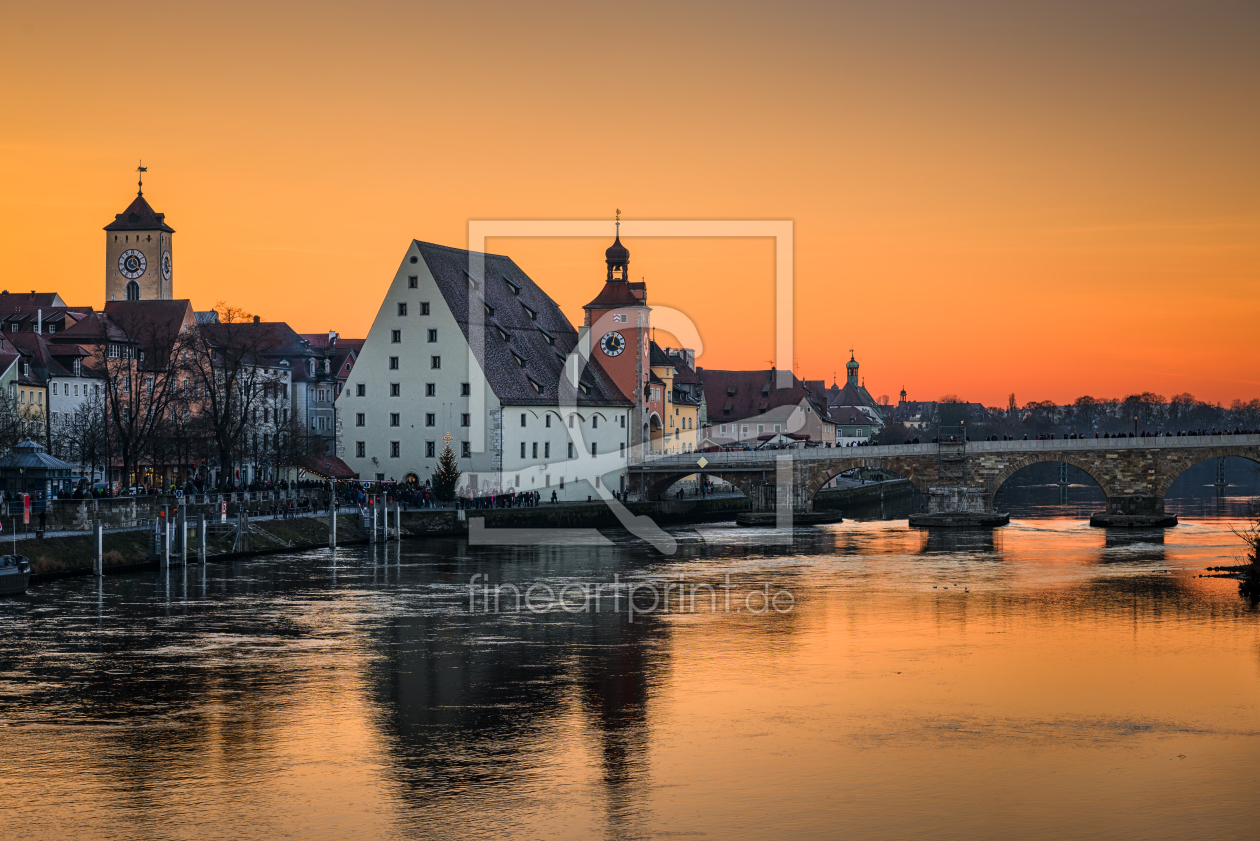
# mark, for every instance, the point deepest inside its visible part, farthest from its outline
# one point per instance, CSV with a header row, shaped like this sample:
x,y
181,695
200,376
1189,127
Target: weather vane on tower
x,y
142,169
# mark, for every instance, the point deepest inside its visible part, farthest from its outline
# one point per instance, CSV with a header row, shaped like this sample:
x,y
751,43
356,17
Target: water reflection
x,y
945,684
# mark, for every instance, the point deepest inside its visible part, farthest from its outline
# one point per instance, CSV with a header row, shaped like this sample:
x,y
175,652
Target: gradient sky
x,y
1049,199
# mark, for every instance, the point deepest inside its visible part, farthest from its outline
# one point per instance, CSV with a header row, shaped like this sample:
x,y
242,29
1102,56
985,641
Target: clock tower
x,y
618,322
138,253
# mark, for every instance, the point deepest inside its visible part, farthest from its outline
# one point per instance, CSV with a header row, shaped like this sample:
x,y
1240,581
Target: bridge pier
x,y
954,506
1134,511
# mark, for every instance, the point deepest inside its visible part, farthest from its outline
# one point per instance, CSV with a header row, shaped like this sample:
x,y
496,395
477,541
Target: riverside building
x,y
467,349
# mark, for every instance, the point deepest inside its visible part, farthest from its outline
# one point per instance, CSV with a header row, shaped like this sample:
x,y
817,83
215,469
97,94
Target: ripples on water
x,y
1045,680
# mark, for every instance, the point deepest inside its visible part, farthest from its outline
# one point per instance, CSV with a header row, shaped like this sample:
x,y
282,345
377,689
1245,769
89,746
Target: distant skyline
x,y
1050,199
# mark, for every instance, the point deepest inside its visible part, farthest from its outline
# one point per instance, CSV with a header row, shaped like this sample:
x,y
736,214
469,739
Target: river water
x,y
1045,680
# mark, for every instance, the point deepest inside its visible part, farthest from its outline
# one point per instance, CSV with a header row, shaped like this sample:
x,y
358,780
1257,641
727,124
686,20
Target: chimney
x,y
257,320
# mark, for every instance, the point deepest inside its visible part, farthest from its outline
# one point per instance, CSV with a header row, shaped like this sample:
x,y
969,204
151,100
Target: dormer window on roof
x,y
586,389
503,334
533,314
537,386
516,290
520,360
551,340
489,311
475,283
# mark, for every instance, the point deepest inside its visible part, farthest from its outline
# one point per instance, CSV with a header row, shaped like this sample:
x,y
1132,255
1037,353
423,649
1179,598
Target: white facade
x,y
415,383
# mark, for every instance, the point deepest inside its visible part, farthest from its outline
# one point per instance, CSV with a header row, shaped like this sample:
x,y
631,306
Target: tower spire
x,y
141,170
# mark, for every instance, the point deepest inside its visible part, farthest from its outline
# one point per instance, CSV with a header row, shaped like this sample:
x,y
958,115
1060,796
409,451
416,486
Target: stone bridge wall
x,y
1135,474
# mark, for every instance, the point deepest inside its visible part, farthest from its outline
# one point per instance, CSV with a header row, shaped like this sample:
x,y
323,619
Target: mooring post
x,y
183,535
398,521
201,536
165,530
332,525
98,543
372,531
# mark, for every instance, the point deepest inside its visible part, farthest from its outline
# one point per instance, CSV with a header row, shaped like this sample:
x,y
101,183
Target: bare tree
x,y
230,365
141,377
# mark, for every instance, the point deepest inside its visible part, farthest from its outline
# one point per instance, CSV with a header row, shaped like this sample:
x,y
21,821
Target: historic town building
x,y
138,263
468,350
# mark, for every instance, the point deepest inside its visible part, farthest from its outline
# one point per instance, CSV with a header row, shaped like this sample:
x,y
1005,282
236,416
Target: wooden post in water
x,y
98,547
372,531
201,536
332,525
398,521
164,530
183,535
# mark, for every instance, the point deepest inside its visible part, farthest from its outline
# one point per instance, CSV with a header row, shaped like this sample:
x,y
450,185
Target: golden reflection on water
x,y
1046,680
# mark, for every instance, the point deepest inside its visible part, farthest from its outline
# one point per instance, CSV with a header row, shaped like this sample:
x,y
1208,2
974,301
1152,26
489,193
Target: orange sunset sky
x,y
1045,198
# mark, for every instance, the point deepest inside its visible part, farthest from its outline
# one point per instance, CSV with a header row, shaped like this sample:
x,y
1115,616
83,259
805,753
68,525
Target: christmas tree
x,y
446,477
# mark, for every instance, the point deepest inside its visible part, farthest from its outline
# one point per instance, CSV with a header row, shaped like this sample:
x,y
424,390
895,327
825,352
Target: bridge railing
x,y
743,458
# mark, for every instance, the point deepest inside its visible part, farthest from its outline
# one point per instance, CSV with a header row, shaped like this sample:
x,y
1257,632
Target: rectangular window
x,y
522,418
432,335
594,448
394,419
430,419
395,390
54,388
393,363
547,421
360,390
394,447
360,419
743,429
778,428
621,448
467,450
465,420
435,362
413,282
623,421
534,451
424,307
761,427
395,336
522,449
464,390
570,450
547,450
430,389
429,448
722,429
360,449
402,308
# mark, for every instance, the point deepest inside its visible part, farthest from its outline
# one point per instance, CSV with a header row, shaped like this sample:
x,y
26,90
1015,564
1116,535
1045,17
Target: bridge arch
x,y
908,469
657,485
1185,459
994,484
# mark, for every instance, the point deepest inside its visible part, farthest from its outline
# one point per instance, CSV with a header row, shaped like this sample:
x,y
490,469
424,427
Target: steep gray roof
x,y
538,334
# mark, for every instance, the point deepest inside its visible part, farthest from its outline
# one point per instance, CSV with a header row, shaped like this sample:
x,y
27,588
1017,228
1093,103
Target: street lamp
x,y
1135,426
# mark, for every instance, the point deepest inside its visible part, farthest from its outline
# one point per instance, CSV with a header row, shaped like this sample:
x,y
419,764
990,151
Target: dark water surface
x,y
1089,685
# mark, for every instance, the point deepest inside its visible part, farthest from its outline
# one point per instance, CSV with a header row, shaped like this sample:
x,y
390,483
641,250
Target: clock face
x,y
131,264
613,343
166,265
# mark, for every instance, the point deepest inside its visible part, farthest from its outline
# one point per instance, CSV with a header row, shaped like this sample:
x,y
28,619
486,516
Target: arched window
x,y
133,291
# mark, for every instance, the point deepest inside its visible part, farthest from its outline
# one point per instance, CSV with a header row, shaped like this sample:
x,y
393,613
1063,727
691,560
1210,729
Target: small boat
x,y
15,575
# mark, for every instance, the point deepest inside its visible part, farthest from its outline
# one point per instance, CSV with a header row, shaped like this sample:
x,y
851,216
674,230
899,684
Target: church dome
x,y
617,254
852,364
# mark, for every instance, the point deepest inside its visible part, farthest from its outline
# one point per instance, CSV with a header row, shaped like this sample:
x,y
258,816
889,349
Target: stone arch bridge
x,y
1134,473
